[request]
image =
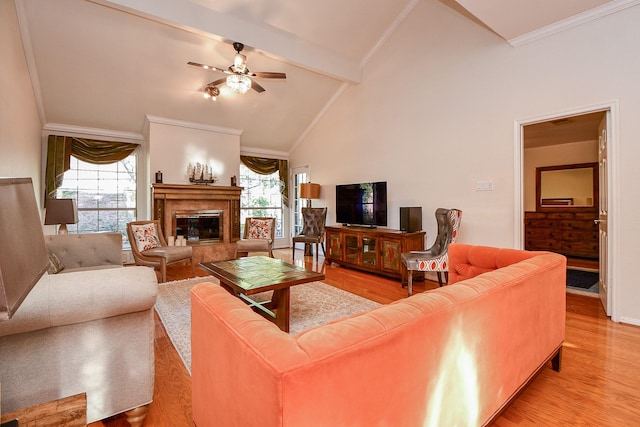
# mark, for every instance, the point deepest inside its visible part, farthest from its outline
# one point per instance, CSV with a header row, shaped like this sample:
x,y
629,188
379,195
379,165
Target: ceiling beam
x,y
282,46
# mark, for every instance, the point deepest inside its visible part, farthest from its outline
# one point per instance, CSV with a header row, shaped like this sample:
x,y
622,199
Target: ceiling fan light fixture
x,y
239,83
240,62
211,92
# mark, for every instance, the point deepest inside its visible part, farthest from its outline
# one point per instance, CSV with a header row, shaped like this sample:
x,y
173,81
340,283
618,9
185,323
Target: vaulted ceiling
x,y
105,65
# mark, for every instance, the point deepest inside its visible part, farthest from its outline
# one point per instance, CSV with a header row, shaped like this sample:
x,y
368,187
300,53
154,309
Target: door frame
x,y
613,190
292,198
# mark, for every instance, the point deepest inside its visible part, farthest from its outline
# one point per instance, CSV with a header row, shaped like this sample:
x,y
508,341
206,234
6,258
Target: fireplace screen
x,y
199,226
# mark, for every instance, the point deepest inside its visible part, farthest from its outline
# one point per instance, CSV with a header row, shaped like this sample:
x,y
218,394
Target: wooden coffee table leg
x,y
280,300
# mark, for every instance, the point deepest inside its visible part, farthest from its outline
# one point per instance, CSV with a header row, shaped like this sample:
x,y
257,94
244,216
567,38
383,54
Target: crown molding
x,y
192,125
258,152
50,128
574,21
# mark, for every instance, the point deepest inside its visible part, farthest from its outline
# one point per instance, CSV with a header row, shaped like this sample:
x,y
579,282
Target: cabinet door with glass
x,y
351,248
369,251
361,250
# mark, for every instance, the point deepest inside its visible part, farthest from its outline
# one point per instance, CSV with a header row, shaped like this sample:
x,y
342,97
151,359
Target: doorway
x,y
573,139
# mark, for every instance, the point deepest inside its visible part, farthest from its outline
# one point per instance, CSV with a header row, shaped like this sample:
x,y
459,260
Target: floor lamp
x,y
309,191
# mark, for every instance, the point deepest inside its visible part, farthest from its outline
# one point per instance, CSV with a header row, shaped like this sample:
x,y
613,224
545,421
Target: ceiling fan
x,y
239,78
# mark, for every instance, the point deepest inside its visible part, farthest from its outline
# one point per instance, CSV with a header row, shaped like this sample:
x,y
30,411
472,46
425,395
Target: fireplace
x,y
214,210
199,226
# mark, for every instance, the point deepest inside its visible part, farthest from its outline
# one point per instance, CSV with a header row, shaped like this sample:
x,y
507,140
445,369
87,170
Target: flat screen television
x,y
363,204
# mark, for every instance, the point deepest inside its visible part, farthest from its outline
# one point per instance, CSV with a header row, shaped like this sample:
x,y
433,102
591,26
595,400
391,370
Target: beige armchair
x,y
150,248
258,236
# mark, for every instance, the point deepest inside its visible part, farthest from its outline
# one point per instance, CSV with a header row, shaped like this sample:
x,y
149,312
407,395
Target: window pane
x,y
260,197
105,195
298,179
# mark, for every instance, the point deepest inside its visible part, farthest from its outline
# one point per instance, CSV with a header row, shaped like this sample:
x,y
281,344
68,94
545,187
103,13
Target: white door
x,y
605,291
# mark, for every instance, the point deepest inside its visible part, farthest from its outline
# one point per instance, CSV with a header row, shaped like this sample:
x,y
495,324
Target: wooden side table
x,y
66,412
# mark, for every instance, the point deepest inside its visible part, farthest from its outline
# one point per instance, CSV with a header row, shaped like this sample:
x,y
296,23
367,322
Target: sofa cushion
x,y
146,236
90,268
55,265
171,253
82,251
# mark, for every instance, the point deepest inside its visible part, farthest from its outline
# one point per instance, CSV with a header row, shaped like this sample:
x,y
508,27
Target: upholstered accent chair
x,y
312,230
435,258
258,236
150,248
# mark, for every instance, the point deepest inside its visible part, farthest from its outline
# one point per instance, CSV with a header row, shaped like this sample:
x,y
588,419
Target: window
x,y
105,195
260,197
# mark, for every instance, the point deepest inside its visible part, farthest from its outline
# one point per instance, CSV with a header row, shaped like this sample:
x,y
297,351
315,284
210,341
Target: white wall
x,y
19,121
436,111
174,144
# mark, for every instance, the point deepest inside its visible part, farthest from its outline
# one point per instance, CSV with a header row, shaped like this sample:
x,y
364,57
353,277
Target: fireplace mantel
x,y
171,198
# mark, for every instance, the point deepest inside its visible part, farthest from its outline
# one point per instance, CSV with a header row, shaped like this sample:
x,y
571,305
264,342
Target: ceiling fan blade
x,y
207,67
218,82
268,75
255,86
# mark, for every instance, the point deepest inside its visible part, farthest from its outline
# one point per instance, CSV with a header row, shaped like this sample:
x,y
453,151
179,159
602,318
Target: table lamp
x,y
309,191
61,211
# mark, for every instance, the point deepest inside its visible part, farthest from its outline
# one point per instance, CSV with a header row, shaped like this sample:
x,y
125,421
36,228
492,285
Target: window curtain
x,y
60,149
265,166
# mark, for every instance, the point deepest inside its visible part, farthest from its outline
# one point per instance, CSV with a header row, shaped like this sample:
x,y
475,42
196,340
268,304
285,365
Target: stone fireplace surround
x,y
171,198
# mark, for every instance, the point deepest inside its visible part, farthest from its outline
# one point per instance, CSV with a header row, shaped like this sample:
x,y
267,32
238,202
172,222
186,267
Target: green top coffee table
x,y
251,275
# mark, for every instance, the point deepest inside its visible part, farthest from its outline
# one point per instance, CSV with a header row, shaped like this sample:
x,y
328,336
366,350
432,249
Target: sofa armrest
x,y
82,296
77,251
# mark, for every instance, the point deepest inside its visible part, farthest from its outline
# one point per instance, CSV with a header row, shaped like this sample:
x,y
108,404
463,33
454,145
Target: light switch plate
x,y
484,185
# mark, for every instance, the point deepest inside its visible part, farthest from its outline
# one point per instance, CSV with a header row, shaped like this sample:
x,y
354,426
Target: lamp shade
x,y
309,191
61,211
23,254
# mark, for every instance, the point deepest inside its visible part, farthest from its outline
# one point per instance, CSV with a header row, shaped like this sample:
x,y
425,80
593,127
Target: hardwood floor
x,y
597,385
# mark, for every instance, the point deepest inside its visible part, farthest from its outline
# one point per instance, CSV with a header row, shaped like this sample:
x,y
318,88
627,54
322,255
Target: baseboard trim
x,y
630,321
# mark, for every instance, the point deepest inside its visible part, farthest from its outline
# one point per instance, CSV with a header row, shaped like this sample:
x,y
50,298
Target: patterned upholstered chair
x,y
436,257
312,230
149,247
258,236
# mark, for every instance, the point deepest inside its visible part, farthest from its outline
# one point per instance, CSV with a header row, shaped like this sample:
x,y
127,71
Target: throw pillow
x,y
55,265
259,229
146,236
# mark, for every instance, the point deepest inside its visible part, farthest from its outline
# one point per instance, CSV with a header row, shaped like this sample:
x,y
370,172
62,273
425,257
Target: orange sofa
x,y
451,356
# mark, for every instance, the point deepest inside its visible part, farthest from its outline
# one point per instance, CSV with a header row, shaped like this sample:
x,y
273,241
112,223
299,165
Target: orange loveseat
x,y
451,356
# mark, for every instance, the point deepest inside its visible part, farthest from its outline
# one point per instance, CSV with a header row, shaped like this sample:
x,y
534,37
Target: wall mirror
x,y
572,187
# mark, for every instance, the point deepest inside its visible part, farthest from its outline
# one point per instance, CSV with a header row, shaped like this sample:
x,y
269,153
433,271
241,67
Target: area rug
x,y
312,304
583,280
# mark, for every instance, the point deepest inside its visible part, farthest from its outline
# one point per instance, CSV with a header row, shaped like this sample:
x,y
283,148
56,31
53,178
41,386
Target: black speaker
x,y
411,219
